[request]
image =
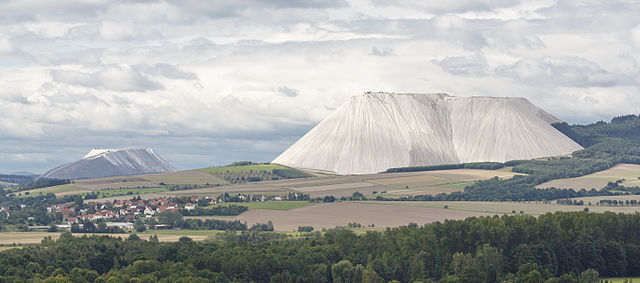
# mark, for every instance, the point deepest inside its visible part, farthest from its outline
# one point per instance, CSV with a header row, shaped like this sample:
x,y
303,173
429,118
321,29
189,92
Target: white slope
x,y
373,132
111,162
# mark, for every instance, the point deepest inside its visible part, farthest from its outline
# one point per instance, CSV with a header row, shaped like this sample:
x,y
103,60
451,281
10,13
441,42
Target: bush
x,y
290,173
305,228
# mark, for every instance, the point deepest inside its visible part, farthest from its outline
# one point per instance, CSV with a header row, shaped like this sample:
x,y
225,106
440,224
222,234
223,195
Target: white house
x,y
149,211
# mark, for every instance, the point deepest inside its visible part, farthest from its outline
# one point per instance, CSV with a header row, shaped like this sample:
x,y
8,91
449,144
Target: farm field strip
x,y
270,205
629,172
353,185
329,215
26,238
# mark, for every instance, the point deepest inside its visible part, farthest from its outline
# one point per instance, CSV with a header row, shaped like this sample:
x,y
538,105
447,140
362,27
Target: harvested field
x,y
629,172
26,238
336,187
329,215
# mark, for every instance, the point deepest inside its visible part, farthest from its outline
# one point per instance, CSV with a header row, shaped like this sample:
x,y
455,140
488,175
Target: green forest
x,y
559,247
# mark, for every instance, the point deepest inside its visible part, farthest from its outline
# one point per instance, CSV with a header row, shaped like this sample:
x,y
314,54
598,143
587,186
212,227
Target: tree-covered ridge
x,y
623,127
485,249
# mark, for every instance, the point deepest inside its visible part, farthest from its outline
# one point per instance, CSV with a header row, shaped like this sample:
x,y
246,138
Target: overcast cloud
x,y
210,82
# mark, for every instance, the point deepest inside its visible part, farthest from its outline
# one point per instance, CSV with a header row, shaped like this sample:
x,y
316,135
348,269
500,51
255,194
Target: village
x,y
123,213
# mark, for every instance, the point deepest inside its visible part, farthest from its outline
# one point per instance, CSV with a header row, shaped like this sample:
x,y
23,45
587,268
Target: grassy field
x,y
277,205
629,172
244,173
119,192
58,190
268,205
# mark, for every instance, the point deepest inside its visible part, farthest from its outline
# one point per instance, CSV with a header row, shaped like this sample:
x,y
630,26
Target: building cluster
x,y
122,209
128,210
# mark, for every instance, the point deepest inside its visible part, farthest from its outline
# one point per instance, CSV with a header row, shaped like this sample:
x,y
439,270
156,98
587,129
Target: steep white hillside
x,y
111,162
376,131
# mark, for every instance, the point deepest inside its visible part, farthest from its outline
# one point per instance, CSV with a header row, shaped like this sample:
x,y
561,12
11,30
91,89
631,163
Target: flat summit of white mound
x,y
375,131
111,162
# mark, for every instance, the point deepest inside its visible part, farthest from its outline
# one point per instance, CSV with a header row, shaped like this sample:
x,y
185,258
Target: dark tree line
x,y
559,247
226,210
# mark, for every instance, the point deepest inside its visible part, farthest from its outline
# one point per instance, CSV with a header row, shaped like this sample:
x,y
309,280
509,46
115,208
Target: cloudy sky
x,y
210,82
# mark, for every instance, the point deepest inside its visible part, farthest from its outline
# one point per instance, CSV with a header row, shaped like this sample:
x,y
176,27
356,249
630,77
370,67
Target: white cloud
x,y
564,71
635,36
110,30
464,66
112,77
6,47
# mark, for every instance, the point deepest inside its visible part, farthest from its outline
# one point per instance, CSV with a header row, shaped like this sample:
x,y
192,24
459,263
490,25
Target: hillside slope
x,y
376,131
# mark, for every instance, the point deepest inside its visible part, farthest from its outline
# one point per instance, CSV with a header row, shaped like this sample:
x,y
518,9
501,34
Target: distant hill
x,y
16,179
111,162
373,132
24,173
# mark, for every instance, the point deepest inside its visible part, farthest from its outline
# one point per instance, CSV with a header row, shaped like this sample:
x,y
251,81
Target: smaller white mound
x,y
111,162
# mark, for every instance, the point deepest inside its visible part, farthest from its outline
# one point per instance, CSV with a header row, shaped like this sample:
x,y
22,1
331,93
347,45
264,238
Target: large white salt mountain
x,y
373,132
111,162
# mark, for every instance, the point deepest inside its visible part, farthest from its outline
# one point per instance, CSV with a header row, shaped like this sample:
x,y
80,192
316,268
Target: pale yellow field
x,y
26,238
353,185
628,172
396,213
329,215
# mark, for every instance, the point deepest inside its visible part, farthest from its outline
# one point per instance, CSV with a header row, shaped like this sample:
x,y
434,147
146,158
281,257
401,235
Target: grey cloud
x,y
116,78
563,71
307,3
285,91
110,30
460,6
464,66
381,52
166,70
87,57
